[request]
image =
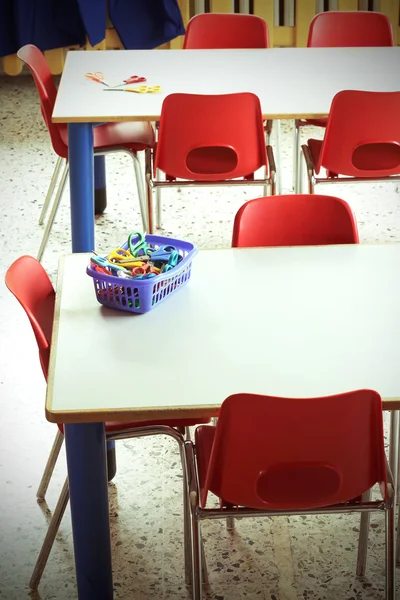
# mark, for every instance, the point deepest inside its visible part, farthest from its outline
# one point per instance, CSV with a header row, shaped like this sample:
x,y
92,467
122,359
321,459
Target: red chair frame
x,y
352,151
264,459
197,144
335,29
130,138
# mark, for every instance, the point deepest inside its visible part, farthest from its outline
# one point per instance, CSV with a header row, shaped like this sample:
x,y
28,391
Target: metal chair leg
x,y
230,523
204,570
50,191
278,154
197,583
390,558
363,538
158,202
149,191
49,468
50,537
140,189
53,212
296,158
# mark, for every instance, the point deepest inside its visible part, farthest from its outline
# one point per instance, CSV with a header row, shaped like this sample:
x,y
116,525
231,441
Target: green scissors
x,y
141,244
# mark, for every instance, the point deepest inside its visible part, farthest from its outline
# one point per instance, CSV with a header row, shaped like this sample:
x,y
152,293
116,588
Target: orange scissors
x,y
140,89
97,76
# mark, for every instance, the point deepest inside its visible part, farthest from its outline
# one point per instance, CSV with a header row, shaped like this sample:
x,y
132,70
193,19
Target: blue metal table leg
x,y
87,475
100,185
81,179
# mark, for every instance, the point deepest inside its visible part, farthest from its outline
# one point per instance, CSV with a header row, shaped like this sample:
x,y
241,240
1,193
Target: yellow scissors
x,y
97,76
139,89
125,259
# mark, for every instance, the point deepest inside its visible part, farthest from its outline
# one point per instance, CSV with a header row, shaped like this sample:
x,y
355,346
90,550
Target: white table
x,y
291,83
304,321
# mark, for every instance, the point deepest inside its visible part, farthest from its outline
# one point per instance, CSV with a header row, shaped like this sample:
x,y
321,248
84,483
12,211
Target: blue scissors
x,y
163,253
174,259
141,244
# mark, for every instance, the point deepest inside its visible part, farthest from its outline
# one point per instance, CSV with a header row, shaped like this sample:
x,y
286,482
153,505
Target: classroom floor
x,y
275,559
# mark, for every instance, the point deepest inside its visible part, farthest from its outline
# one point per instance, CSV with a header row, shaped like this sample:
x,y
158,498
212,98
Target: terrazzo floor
x,y
275,559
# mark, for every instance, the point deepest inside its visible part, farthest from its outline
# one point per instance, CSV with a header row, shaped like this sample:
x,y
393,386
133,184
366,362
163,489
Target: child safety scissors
x,y
140,89
131,79
124,258
145,272
97,76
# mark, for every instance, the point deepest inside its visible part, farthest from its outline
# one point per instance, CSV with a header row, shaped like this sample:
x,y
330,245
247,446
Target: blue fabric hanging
x,y
144,24
47,24
52,24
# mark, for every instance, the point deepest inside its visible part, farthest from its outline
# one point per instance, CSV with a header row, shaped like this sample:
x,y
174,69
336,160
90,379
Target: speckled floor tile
x,y
274,559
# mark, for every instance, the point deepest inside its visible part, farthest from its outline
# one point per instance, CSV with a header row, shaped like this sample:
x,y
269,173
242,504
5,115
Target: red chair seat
x,y
134,136
314,122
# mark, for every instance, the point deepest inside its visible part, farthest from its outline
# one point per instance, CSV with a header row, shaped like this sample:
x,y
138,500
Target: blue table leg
x,y
100,184
81,181
87,475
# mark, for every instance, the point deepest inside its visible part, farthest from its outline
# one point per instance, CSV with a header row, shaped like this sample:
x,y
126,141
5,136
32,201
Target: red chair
x,y
298,220
271,456
225,30
361,142
110,137
197,144
335,29
29,283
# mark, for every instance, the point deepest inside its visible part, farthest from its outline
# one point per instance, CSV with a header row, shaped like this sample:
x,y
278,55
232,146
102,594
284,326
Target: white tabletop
x,y
290,82
299,322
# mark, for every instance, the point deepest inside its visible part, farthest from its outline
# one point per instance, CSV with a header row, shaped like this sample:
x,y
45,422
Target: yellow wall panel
x,y
284,36
221,6
265,9
55,60
391,8
348,5
11,64
305,11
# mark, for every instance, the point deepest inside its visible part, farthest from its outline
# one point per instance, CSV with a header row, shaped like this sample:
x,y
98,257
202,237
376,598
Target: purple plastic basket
x,y
142,295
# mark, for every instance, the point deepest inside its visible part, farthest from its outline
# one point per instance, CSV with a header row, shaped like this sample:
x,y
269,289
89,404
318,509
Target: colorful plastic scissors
x,y
173,261
140,89
162,253
124,258
101,261
145,272
131,79
97,76
140,245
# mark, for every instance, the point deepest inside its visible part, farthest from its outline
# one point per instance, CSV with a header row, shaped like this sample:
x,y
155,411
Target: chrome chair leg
x,y
268,131
158,202
230,523
204,570
363,538
140,189
53,212
149,191
278,153
50,537
50,191
49,468
186,522
390,557
296,158
197,587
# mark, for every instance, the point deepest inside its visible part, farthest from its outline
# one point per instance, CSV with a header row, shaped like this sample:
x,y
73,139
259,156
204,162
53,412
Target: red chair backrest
x,y
31,286
224,30
37,64
294,220
350,28
362,137
285,453
198,142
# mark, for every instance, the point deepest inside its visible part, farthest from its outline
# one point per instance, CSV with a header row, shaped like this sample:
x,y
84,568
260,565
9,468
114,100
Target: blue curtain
x,y
54,24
